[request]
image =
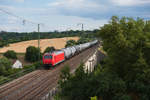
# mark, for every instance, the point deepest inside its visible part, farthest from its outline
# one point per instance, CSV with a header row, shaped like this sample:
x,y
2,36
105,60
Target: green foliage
x,y
83,40
121,97
126,36
5,65
3,43
3,79
126,42
49,49
32,54
125,71
65,74
70,43
8,74
10,54
70,87
31,67
94,98
34,66
80,74
13,73
57,97
38,64
80,41
82,86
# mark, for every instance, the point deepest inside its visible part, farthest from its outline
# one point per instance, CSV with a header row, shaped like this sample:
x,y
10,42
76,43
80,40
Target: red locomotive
x,y
56,57
53,58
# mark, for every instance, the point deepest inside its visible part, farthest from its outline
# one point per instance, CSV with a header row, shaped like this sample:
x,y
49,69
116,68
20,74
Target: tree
x,y
10,54
73,86
125,36
65,74
126,42
3,43
70,43
125,72
49,49
83,40
5,65
80,72
32,54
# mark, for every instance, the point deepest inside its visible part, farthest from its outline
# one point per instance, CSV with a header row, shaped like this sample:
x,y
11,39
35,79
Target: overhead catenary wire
x,y
24,21
21,18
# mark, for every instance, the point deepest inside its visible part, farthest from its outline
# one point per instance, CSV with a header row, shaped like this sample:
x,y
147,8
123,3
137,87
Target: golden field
x,y
20,47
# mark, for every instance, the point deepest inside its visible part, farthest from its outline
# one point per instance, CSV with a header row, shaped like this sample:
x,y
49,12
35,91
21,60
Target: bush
x,y
10,54
5,65
32,54
70,43
3,79
49,49
38,64
83,40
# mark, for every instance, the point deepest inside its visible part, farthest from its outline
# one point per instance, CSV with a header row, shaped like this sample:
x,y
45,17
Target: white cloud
x,y
130,2
53,21
76,5
82,8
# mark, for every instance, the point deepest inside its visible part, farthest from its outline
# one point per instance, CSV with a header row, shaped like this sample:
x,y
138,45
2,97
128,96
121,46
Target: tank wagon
x,y
56,57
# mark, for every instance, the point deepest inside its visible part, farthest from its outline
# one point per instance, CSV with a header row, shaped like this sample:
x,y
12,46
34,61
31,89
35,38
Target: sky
x,y
64,15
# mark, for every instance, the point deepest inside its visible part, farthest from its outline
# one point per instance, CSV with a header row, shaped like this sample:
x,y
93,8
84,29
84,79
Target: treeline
x,y
13,37
80,41
125,72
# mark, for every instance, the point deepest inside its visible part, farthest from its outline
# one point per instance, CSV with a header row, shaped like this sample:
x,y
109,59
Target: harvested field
x,y
20,47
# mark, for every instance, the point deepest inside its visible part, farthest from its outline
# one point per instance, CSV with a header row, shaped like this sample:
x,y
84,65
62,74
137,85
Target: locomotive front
x,y
54,58
47,59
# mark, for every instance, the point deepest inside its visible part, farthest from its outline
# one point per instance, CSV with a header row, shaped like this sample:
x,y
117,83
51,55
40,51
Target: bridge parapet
x,y
91,63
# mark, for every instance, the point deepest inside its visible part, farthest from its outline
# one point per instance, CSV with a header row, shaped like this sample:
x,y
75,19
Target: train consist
x,y
56,57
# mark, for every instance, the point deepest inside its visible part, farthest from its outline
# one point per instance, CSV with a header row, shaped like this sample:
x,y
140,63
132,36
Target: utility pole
x,y
68,32
39,39
82,27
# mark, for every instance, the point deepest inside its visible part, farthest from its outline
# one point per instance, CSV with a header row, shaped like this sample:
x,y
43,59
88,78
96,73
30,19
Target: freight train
x,y
56,57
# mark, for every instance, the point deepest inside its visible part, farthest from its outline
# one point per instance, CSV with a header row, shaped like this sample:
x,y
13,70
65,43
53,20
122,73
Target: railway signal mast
x,y
39,39
82,27
68,29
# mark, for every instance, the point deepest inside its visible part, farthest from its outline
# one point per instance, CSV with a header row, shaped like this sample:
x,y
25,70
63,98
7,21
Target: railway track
x,y
13,90
19,80
35,85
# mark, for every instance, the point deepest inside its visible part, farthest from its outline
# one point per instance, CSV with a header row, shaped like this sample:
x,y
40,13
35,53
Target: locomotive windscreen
x,y
47,57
